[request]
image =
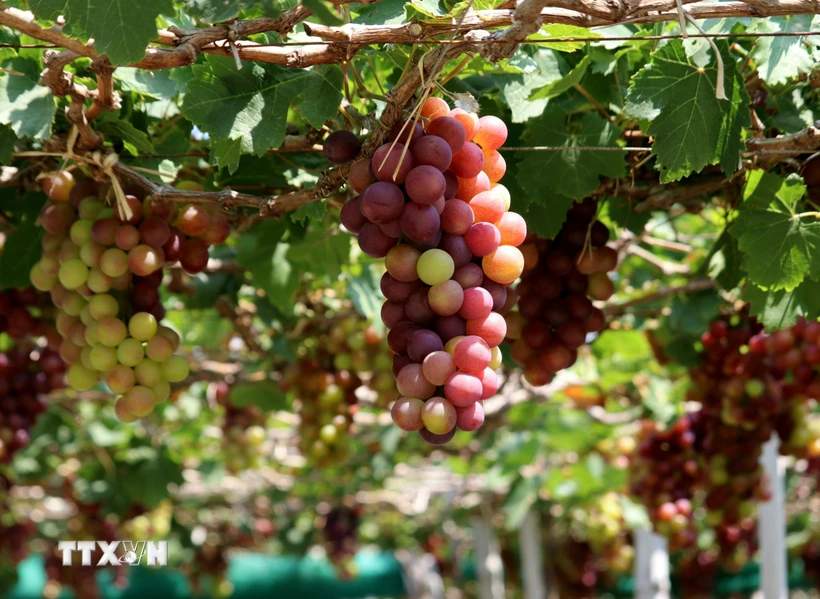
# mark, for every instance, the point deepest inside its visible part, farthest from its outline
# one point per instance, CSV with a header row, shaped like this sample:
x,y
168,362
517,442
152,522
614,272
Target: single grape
x,y
488,207
382,202
142,326
406,413
471,417
438,415
491,133
419,222
435,266
392,164
130,352
504,265
433,151
492,328
411,382
450,130
437,367
472,354
341,147
483,239
463,389
468,161
446,298
457,217
434,108
175,369
425,184
139,401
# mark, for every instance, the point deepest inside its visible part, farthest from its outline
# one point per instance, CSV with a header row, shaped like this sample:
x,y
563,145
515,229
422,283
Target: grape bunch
x,y
103,268
243,430
338,354
26,374
431,204
340,533
562,277
749,384
23,314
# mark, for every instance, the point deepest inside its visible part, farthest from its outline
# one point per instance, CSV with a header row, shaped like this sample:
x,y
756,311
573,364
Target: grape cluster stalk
x,y
749,385
430,203
338,355
243,430
562,277
104,268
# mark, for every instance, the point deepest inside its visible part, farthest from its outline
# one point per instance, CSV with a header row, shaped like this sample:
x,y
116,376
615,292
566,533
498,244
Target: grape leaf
x,y
25,105
726,262
364,292
621,211
386,12
147,481
545,219
692,129
23,249
780,248
122,29
136,141
7,141
251,105
561,30
217,11
568,172
781,309
780,59
556,88
515,89
153,84
265,395
324,12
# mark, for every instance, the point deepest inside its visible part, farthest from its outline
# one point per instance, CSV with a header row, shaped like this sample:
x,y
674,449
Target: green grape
x,y
435,266
40,280
92,332
102,306
175,369
162,391
112,331
90,253
80,231
255,435
85,358
130,352
103,358
89,208
73,303
73,274
149,373
142,326
98,281
114,262
328,434
85,316
80,377
169,334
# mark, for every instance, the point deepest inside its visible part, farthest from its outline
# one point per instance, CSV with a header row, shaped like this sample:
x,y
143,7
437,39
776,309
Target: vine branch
x,y
660,293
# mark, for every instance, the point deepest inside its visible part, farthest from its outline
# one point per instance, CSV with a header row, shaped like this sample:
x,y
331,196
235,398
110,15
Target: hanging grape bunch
x,y
431,204
561,279
336,355
243,430
29,369
340,533
14,536
104,269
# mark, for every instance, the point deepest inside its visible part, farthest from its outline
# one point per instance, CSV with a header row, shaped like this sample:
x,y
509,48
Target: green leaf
x,y
312,211
516,89
692,129
147,482
25,105
781,59
691,313
226,153
386,12
621,355
780,248
780,309
324,12
7,141
217,11
556,88
251,105
264,395
561,30
112,127
23,248
726,262
546,219
153,84
122,29
580,170
365,295
519,500
622,212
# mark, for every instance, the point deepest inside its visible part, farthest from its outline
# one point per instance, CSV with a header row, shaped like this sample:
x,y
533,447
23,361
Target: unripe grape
x,y
80,377
120,379
142,326
130,352
435,266
140,401
148,373
175,369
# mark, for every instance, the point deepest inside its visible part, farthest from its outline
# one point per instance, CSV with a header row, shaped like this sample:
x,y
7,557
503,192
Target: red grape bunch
x,y
340,533
749,384
23,314
104,271
431,204
562,277
243,430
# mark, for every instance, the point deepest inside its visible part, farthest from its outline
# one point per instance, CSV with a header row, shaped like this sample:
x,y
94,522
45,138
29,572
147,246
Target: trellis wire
x,y
552,40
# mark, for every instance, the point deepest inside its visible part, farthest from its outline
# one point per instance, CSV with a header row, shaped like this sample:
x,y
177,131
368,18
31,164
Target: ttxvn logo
x,y
116,553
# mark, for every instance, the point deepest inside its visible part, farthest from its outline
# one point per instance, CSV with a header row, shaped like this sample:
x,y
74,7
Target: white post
x,y
651,566
771,526
488,561
532,565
